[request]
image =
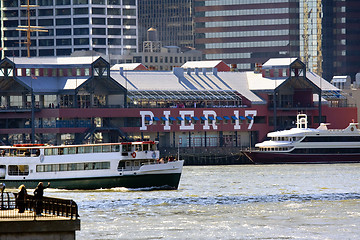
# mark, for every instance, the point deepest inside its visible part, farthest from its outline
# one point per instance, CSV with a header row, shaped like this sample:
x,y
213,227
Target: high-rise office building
x,y
323,33
105,26
173,20
246,32
341,37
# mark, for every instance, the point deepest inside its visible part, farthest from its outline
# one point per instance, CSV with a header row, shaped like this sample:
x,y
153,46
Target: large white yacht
x,y
309,145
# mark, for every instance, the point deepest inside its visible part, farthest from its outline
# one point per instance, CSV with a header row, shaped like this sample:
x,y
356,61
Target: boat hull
x,y
281,158
156,181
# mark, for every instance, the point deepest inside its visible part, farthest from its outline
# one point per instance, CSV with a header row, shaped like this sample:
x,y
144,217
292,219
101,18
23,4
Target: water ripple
x,y
221,200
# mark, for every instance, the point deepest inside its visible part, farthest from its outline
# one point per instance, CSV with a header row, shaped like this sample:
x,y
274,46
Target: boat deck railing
x,y
51,208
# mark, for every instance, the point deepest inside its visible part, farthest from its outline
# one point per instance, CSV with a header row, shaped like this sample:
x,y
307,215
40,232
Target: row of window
x,y
161,59
254,22
76,11
23,170
246,12
247,44
53,72
76,42
325,151
242,2
336,138
72,167
262,33
233,55
274,149
74,2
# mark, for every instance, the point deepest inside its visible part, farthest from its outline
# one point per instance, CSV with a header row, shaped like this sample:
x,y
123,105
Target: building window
x,y
79,11
113,2
63,11
81,21
114,21
98,21
129,12
99,31
78,2
113,11
100,11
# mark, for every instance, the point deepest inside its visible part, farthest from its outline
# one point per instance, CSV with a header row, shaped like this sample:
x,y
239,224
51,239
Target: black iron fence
x,y
32,208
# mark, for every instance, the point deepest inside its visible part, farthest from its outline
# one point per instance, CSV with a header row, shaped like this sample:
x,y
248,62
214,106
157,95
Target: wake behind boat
x,y
309,145
88,166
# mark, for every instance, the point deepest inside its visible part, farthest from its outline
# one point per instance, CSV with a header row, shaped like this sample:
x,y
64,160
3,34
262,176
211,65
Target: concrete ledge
x,y
39,226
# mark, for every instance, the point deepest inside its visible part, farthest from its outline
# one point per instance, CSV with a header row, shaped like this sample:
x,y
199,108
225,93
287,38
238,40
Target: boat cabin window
x,y
106,148
138,147
18,170
115,148
152,147
97,149
146,147
72,167
126,148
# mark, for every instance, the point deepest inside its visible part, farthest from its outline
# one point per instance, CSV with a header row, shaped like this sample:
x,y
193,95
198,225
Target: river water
x,y
229,202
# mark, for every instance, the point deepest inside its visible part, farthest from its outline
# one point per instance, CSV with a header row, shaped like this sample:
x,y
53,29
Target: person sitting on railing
x,y
38,195
21,199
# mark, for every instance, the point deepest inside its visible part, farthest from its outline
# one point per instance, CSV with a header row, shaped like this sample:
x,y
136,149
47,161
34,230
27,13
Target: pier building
x,y
195,111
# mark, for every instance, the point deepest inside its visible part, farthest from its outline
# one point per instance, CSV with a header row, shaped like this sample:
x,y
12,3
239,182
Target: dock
x,y
59,219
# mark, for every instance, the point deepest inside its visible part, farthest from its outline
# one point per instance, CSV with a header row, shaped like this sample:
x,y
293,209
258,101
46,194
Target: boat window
x,y
97,149
88,149
18,170
152,147
49,151
145,147
106,148
80,166
63,167
61,151
126,148
48,168
72,167
81,150
138,147
40,168
115,148
70,150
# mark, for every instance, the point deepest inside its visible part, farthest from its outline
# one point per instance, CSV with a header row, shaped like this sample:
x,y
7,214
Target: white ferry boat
x,y
309,145
90,166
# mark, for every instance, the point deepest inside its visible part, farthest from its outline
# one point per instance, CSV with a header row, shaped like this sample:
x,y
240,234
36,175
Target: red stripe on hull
x,y
277,158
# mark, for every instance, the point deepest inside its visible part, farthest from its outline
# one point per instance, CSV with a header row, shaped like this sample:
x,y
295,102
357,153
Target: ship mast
x,y
29,29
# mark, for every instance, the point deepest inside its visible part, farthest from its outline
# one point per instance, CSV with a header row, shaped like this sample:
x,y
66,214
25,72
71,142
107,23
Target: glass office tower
x,y
173,20
323,33
106,26
246,32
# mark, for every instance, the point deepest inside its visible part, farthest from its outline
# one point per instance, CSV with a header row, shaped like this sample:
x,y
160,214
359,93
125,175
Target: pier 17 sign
x,y
187,119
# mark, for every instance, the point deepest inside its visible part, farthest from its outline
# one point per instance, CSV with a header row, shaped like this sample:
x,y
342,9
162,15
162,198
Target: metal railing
x,y
50,207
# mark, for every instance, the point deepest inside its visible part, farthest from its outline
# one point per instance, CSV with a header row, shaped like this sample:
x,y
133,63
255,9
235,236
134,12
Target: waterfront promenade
x,y
59,219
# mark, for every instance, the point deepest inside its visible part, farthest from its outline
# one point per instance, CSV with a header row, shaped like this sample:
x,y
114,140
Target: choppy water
x,y
230,202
